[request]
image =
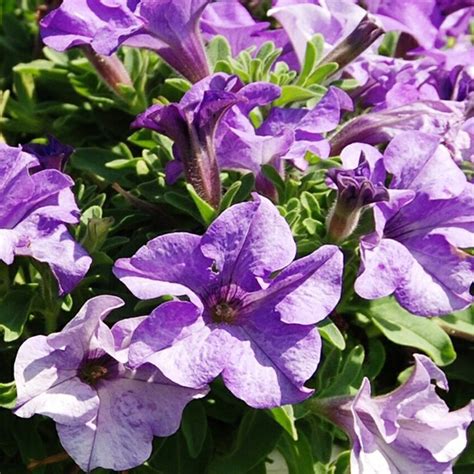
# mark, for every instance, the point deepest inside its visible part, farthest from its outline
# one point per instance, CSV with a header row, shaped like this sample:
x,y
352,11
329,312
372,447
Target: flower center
x,y
92,371
223,313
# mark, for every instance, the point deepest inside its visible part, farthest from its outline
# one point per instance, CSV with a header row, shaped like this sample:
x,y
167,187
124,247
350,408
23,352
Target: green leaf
x,y
313,53
206,211
218,49
272,174
349,375
375,358
342,463
194,427
298,455
285,417
229,196
330,332
14,311
257,436
406,329
292,93
460,324
7,395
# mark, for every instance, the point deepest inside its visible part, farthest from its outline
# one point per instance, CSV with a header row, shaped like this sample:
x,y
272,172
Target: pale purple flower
x,y
335,20
242,322
409,430
106,414
284,136
171,28
232,20
451,121
35,208
422,19
192,125
414,251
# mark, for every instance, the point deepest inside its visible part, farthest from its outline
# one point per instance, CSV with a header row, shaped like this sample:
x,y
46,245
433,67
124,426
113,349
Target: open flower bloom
x,y
284,136
35,208
334,19
415,250
409,430
232,20
254,329
106,414
171,28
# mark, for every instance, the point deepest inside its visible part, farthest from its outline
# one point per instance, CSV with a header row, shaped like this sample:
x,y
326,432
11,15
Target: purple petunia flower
x,y
409,430
335,20
285,135
451,121
171,28
414,251
192,124
106,413
34,211
233,21
254,329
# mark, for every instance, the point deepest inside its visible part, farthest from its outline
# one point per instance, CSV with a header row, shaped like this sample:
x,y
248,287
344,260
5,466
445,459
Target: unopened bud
x,y
355,191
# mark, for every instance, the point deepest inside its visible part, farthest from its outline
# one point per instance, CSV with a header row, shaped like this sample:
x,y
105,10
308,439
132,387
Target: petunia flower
x,y
301,20
171,28
192,125
233,21
284,136
35,208
409,430
242,322
415,251
106,414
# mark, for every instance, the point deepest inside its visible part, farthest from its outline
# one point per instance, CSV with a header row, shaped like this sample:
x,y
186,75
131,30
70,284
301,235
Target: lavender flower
x,y
285,135
414,251
106,414
408,430
34,211
302,20
192,125
232,20
241,322
169,28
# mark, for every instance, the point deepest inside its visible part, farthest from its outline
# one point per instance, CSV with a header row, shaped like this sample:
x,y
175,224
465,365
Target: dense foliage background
x,y
120,188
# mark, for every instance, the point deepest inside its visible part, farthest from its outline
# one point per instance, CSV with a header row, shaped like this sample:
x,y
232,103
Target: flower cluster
x,y
288,167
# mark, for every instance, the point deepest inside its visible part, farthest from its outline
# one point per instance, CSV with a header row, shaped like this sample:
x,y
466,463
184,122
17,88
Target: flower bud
x,y
355,191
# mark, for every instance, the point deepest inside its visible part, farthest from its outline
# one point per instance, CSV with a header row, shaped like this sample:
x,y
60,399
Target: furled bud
x,y
355,191
52,155
366,32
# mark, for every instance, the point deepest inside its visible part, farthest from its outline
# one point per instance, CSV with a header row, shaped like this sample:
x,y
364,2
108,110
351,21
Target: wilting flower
x,y
192,124
171,28
408,430
34,211
414,251
106,414
284,136
355,191
254,329
52,155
